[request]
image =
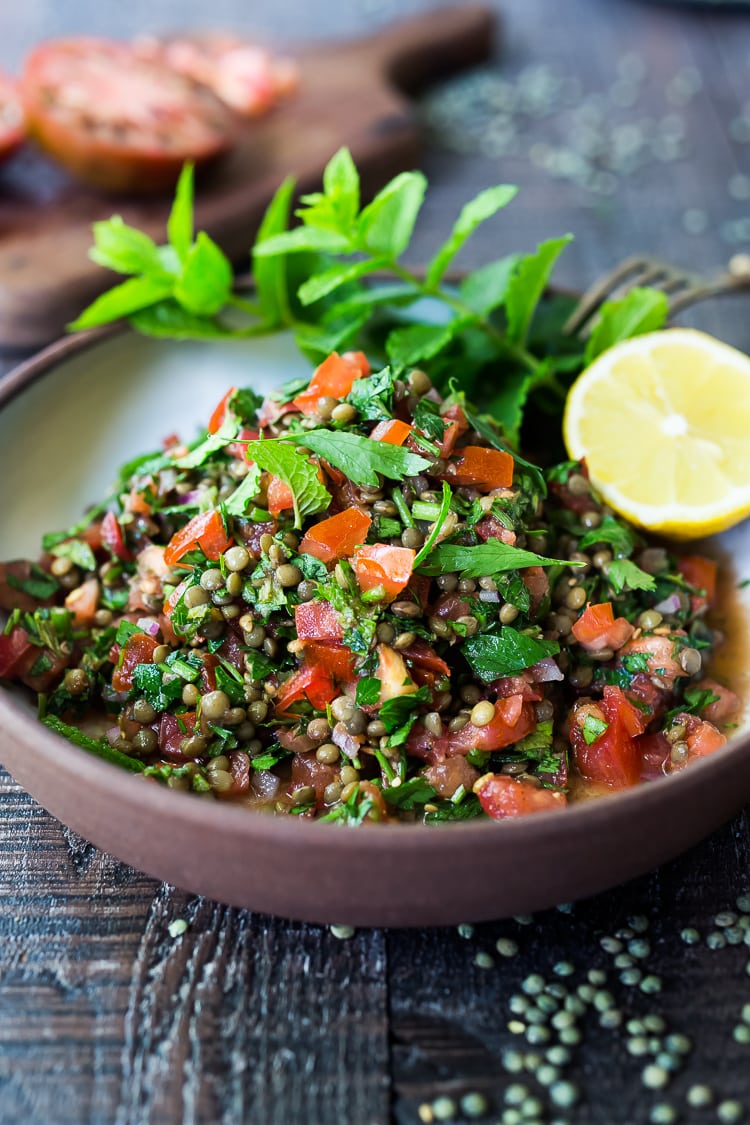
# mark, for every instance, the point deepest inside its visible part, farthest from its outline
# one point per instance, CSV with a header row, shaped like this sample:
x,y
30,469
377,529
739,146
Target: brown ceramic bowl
x,y
67,420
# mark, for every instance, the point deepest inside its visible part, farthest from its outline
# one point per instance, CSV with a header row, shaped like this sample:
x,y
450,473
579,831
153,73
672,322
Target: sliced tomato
x,y
501,796
83,602
597,628
175,597
334,377
477,467
112,538
314,683
138,649
338,536
280,497
514,718
15,648
393,674
11,117
382,565
700,572
118,121
393,432
216,420
317,621
613,758
206,531
420,655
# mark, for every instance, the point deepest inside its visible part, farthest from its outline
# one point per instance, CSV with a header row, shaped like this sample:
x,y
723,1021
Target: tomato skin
x,y
336,537
335,377
394,432
597,628
613,758
314,683
503,797
317,621
118,85
216,420
702,737
701,573
382,565
138,649
483,468
112,538
12,132
206,530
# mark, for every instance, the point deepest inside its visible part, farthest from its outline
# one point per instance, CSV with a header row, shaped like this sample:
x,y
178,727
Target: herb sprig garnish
x,y
339,278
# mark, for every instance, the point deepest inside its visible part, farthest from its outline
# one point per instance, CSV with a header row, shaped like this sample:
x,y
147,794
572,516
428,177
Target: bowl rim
x,y
17,722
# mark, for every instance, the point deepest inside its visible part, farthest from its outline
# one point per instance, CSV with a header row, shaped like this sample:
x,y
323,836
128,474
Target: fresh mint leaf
x,y
418,342
237,502
385,225
301,239
484,560
373,396
621,538
368,691
642,310
206,280
360,458
180,221
134,294
79,553
527,285
336,207
486,288
169,320
282,459
622,573
508,403
318,341
472,215
411,794
123,248
97,746
324,283
269,273
505,653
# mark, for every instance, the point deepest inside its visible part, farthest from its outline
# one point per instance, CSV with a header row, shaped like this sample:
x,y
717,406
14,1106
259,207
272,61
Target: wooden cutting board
x,y
351,93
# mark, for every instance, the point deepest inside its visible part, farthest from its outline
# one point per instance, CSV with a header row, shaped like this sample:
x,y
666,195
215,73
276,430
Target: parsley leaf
x,y
505,653
492,557
619,536
236,503
593,728
360,458
410,794
622,573
373,396
98,746
398,710
368,691
78,551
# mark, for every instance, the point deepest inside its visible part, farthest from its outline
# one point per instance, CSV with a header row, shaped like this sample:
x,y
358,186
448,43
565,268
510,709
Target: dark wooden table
x,y
106,1018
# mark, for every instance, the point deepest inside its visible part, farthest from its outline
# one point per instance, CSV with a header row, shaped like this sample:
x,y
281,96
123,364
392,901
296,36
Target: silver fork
x,y
682,288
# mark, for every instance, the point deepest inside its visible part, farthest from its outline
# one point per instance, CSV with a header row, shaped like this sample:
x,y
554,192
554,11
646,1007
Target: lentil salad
x,y
352,602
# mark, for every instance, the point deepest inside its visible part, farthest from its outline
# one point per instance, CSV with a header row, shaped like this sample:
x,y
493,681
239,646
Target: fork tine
x,y
596,294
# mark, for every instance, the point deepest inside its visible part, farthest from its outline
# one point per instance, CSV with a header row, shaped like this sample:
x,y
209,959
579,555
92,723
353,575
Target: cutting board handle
x,y
412,53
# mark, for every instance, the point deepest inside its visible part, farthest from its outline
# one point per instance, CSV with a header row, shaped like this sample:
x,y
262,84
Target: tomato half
x,y
118,121
11,117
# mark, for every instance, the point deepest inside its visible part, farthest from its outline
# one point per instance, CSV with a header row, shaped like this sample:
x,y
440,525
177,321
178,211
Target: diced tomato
x,y
448,776
239,767
456,425
172,730
83,602
701,573
338,536
482,468
491,528
175,597
394,432
206,530
420,655
702,738
613,758
723,709
501,796
382,565
280,497
513,720
334,377
420,587
654,750
112,538
138,649
317,621
660,652
208,672
536,582
220,412
597,628
314,683
336,659
516,685
307,770
14,650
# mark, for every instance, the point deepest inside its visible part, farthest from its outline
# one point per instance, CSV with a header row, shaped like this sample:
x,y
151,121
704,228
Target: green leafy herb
x,y
373,396
505,653
619,536
473,214
427,419
237,502
368,691
282,459
440,518
486,559
410,794
642,310
361,458
78,551
97,746
593,728
527,284
695,701
39,584
623,573
444,811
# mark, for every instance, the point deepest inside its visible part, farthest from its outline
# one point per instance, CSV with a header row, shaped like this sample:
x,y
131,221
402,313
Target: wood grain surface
x,y
106,1018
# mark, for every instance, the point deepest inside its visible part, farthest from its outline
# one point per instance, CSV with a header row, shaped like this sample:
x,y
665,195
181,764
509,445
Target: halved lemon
x,y
663,421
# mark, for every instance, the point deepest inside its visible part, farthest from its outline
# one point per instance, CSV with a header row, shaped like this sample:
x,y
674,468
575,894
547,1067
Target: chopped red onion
x,y
149,625
489,596
545,671
670,604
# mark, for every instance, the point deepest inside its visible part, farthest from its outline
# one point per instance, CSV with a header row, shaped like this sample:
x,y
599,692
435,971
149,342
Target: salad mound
x,y
353,602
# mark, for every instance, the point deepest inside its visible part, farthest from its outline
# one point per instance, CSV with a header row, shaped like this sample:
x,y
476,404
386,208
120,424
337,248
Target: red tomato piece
x,y
491,528
701,573
138,649
338,536
597,628
513,720
175,597
382,565
723,709
481,468
536,581
613,758
280,497
117,121
216,420
456,425
206,530
83,602
335,377
314,683
172,730
702,738
112,538
502,796
337,660
317,621
15,647
393,432
11,117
